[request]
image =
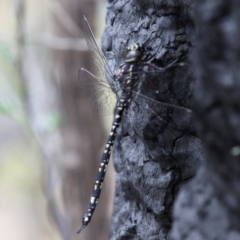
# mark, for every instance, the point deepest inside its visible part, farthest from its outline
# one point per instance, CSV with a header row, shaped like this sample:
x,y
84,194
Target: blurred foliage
x,y
22,202
24,208
9,81
53,121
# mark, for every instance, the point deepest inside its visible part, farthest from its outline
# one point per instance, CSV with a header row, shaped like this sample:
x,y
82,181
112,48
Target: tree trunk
x,y
157,149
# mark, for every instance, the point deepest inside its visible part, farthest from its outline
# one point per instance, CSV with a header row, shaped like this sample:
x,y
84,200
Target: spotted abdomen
x,y
103,166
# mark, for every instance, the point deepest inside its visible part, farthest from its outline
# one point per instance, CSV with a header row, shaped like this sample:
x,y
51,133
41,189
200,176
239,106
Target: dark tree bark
x,y
208,207
157,149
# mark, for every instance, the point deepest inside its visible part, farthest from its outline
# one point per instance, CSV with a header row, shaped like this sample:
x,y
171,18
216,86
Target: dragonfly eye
x,y
135,47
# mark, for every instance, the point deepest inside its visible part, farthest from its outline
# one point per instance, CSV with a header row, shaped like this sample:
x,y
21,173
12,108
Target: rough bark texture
x,y
156,150
208,207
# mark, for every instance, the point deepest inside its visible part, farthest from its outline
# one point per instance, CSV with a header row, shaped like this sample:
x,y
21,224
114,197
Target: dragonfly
x,y
105,97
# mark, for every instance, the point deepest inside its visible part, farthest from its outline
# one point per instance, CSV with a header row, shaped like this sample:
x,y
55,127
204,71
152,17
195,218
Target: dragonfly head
x,y
134,53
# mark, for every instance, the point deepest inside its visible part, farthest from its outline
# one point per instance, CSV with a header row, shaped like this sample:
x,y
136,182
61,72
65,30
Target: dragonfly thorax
x,y
134,53
126,72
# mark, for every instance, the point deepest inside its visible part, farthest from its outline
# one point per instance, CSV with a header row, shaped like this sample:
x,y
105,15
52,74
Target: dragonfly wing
x,y
145,98
161,87
97,55
102,98
151,118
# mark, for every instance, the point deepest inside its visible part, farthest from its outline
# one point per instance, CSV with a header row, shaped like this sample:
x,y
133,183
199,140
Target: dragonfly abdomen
x,y
122,103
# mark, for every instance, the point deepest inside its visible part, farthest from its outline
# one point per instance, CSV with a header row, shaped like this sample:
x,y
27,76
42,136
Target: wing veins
x,y
96,53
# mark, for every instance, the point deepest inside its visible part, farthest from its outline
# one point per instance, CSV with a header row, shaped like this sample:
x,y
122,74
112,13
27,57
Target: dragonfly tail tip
x,y
81,229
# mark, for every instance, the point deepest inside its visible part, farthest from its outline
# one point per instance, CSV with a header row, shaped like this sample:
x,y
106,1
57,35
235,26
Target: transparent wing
x,y
158,124
159,105
145,98
102,98
161,88
97,55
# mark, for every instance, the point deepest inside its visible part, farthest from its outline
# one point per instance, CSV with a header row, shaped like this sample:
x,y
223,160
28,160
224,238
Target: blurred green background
x,y
50,139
